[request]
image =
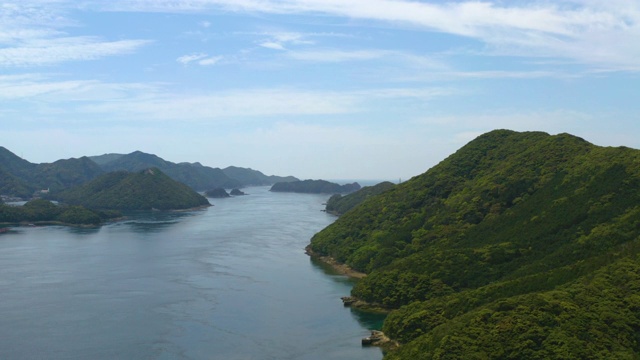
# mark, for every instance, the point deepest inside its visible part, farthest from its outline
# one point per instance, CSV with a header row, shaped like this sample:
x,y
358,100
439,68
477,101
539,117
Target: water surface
x,y
228,282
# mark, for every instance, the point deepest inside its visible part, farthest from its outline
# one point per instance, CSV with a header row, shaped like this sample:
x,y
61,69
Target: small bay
x,y
228,282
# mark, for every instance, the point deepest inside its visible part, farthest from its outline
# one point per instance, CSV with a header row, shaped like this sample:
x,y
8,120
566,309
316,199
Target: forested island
x,y
40,211
517,246
149,189
314,187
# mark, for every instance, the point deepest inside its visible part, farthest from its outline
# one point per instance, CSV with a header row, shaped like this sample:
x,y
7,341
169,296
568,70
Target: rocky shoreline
x,y
339,267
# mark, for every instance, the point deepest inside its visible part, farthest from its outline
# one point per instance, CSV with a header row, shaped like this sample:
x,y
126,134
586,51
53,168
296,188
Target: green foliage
x,y
495,237
145,190
339,204
44,211
314,187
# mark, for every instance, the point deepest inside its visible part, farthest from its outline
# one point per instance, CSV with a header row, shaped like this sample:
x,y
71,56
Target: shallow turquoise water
x,y
228,282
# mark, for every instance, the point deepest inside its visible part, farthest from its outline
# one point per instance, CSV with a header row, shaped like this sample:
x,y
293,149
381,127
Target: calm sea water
x,y
228,282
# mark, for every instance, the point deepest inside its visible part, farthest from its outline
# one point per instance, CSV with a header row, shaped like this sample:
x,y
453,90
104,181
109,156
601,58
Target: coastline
x,y
343,269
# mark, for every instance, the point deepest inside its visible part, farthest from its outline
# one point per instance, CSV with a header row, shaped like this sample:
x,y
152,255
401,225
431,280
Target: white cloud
x,y
39,88
603,34
32,35
200,59
52,51
272,45
212,60
186,59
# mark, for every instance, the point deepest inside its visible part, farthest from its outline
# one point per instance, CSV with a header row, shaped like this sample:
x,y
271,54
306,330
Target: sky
x,y
318,89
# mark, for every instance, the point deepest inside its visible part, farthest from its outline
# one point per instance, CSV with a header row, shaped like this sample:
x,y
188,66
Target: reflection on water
x,y
83,230
367,319
155,221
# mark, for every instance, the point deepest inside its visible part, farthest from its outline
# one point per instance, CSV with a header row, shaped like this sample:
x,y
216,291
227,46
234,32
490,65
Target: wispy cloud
x,y
200,59
281,40
41,88
32,35
52,51
598,33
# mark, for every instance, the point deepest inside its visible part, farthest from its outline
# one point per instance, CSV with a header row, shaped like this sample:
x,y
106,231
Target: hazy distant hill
x,y
254,177
195,175
144,190
314,187
19,177
66,173
518,246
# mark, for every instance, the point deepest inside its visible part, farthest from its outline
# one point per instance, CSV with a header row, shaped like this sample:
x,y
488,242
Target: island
x,y
148,189
314,187
44,212
217,193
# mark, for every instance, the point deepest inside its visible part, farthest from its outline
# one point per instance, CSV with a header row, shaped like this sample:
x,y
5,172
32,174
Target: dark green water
x,y
228,282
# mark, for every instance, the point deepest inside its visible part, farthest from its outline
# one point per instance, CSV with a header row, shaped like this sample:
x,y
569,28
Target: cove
x,y
228,282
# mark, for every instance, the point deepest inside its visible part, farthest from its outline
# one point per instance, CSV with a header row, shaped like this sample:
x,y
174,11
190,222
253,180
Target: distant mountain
x,y
15,165
250,177
194,175
144,190
63,174
314,187
517,246
106,158
339,204
19,177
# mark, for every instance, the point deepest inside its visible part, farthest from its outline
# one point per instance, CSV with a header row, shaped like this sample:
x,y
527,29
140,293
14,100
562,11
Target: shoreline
x,y
342,269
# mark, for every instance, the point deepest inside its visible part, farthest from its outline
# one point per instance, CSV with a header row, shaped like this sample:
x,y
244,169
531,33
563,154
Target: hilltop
x,y
145,190
519,245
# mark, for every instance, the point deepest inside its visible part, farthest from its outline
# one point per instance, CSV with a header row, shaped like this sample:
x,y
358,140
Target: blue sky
x,y
360,89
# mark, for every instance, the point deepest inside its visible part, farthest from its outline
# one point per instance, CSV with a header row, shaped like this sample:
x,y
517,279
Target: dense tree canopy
x,y
519,245
44,211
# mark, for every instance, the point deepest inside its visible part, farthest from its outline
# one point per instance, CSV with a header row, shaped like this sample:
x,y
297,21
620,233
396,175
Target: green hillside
x,y
21,178
519,245
144,190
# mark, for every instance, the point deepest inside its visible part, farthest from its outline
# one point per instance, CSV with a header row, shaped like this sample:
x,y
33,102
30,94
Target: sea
x,y
230,282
